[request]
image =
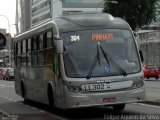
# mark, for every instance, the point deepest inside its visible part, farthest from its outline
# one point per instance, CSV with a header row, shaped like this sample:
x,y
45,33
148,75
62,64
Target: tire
x,y
119,107
147,77
157,77
24,94
51,98
52,106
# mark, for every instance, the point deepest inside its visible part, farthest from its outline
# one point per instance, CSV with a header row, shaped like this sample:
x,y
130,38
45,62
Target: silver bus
x,y
80,60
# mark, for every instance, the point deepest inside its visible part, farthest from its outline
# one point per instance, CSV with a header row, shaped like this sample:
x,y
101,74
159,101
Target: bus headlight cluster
x,y
73,89
138,84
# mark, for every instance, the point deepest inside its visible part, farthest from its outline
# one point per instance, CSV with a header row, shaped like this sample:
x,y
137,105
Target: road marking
x,y
10,99
154,106
42,111
6,86
6,98
2,96
33,108
2,86
27,105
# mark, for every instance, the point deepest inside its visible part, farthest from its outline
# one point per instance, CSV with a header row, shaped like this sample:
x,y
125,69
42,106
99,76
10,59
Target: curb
x,y
153,80
150,102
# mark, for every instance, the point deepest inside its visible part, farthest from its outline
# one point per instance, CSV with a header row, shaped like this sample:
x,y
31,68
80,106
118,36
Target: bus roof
x,y
37,29
83,21
74,22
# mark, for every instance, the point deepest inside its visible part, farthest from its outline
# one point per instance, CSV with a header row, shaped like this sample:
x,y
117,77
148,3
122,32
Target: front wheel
x,y
51,99
52,102
24,94
119,107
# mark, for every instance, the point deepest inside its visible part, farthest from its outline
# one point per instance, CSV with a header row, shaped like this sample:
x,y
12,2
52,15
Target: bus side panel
x,y
18,82
37,85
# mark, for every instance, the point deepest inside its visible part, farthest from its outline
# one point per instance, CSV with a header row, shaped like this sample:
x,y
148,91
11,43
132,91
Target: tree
x,y
136,12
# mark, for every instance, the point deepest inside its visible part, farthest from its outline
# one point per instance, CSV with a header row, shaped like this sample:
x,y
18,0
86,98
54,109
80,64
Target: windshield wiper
x,y
107,57
97,58
108,60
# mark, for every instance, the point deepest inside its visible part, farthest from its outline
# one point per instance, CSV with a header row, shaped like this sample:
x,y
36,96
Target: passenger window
x,y
29,52
24,46
35,43
19,47
34,58
41,45
49,39
29,44
29,58
19,58
49,56
24,59
41,58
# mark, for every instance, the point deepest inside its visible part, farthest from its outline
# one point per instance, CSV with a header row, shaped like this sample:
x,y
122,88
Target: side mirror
x,y
59,44
141,56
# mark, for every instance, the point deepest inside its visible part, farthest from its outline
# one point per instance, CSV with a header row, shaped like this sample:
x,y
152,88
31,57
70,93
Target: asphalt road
x,y
152,89
12,105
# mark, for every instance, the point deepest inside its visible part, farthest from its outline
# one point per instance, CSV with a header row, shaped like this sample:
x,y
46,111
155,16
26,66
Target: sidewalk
x,y
152,97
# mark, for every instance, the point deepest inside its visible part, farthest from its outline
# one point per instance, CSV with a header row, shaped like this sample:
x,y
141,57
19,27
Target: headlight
x,y
138,84
73,89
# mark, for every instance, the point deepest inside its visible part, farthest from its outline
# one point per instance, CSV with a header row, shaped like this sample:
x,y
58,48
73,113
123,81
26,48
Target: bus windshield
x,y
83,53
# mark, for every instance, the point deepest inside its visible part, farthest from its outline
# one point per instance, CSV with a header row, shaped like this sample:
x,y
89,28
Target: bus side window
x,y
49,39
41,50
19,54
34,48
41,42
29,52
24,53
54,34
15,53
34,43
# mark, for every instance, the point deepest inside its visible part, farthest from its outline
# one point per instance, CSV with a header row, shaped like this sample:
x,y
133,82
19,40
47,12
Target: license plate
x,y
152,71
109,99
95,87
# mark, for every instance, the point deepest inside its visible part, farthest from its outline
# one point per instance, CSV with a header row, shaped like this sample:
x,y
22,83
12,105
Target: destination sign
x,y
102,36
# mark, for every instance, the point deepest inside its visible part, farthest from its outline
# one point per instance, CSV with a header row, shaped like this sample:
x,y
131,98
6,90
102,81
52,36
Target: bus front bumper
x,y
101,99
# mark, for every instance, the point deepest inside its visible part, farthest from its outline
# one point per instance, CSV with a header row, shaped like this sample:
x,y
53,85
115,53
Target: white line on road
x,y
42,111
6,98
33,108
1,111
154,106
6,86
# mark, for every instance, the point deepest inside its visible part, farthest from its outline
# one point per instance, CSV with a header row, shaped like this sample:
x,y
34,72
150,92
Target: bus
x,y
79,60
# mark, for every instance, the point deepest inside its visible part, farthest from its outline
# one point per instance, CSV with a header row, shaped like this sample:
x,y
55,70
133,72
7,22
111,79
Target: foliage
x,y
136,12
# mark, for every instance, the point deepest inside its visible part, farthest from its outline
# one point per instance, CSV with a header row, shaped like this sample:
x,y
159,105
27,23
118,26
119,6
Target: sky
x,y
8,9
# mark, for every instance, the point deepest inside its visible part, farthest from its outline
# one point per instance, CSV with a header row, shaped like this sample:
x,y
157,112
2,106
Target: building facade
x,y
82,5
5,54
32,12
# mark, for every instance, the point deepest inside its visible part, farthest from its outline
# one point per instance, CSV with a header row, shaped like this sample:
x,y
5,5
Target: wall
x,y
150,46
